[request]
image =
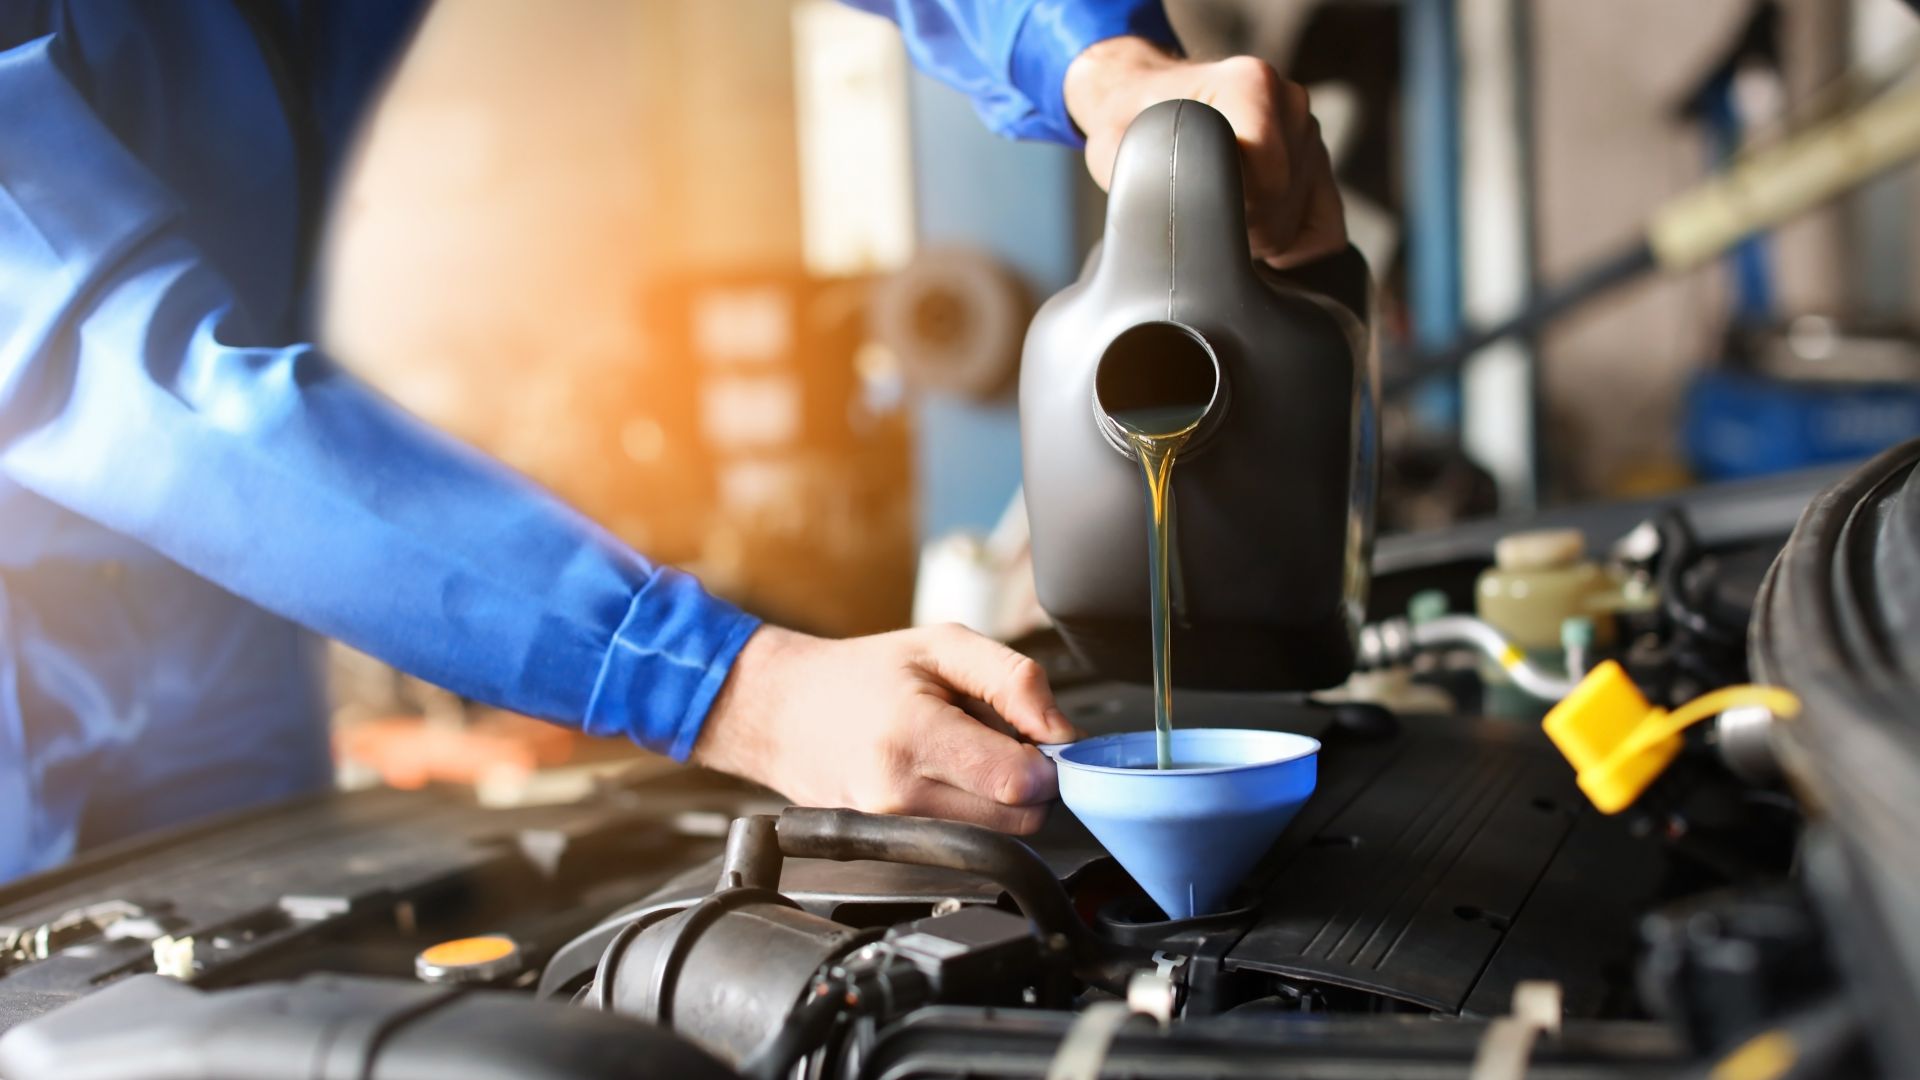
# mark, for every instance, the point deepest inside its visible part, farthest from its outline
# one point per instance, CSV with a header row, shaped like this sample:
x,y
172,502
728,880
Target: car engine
x,y
1448,903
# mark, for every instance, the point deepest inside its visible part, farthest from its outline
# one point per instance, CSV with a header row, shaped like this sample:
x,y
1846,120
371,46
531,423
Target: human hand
x,y
887,724
1293,207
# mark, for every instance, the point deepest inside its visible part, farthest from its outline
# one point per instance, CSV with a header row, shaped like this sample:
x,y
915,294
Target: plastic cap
x,y
1427,605
1542,549
480,959
1592,727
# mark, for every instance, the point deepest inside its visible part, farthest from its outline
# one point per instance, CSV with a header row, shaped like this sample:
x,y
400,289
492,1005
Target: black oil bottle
x,y
1272,496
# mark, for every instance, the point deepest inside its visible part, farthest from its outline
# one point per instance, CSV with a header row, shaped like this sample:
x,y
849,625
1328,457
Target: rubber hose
x,y
847,835
1468,630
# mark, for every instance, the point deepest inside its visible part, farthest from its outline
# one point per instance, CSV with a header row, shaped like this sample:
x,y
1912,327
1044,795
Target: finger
x,y
1276,133
1265,151
982,713
1014,685
1322,229
1323,233
953,749
941,801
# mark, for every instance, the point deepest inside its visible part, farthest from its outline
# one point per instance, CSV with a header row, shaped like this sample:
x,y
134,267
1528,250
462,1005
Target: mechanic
x,y
190,493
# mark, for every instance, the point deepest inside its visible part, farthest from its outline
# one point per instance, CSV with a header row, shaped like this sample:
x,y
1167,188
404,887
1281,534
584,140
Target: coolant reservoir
x,y
1538,581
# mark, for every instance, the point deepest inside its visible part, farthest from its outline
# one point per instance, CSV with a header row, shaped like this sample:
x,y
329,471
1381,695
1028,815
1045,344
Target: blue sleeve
x,y
1010,56
134,392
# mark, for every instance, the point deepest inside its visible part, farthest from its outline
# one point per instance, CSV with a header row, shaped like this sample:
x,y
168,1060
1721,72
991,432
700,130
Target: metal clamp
x,y
1083,1053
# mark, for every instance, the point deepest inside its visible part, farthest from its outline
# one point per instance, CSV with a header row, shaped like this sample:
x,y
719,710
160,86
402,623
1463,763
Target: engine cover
x,y
1441,861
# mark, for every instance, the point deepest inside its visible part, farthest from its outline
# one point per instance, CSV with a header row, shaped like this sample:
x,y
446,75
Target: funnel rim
x,y
1305,746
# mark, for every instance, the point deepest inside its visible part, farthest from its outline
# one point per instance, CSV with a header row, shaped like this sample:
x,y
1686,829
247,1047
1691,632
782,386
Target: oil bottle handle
x,y
1175,219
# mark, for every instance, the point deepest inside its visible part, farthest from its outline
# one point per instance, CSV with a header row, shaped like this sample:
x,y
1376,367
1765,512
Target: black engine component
x,y
724,972
1724,965
1441,862
759,981
1838,623
1444,862
332,1028
750,975
970,1044
975,955
350,885
845,835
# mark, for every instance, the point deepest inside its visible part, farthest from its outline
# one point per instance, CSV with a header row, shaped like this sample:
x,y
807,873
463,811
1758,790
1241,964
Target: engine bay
x,y
1448,903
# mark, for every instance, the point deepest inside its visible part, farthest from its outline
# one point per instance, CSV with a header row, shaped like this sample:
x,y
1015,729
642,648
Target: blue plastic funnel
x,y
1188,834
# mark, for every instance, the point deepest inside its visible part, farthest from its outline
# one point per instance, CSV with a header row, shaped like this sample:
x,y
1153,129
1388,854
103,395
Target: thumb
x,y
1103,147
1014,686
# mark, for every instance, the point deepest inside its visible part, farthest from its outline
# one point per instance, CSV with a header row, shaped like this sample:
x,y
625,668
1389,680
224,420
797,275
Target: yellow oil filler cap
x,y
487,958
1618,744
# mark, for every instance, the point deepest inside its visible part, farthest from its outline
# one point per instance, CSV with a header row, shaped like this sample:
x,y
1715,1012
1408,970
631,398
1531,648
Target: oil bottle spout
x,y
1158,378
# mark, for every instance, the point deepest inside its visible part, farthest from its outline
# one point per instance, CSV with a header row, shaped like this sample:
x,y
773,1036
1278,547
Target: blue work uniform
x,y
189,492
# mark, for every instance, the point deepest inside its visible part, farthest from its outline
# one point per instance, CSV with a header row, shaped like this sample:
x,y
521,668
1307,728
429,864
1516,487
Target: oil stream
x,y
1156,435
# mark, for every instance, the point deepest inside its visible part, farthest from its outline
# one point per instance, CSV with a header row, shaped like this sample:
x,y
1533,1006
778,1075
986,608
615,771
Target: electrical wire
x,y
1679,551
805,1029
1702,642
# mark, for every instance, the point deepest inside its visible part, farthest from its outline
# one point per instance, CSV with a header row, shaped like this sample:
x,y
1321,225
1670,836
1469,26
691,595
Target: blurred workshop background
x,y
739,283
